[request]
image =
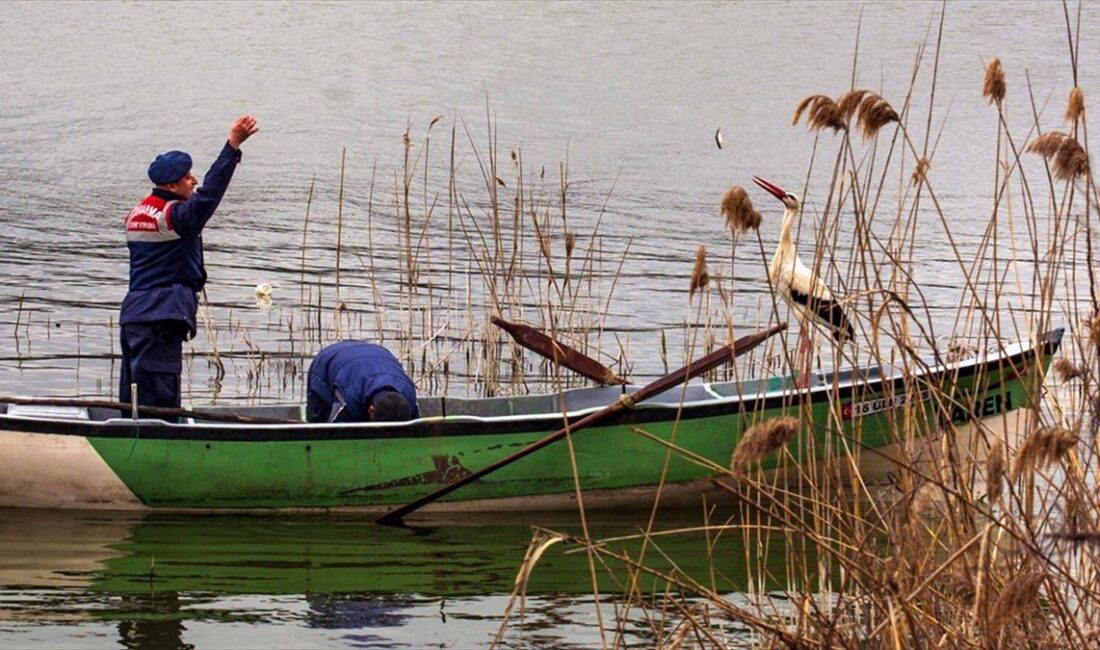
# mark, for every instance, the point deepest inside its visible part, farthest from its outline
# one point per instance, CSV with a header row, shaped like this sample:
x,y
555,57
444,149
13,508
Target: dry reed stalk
x,y
1068,157
738,211
699,275
1075,108
1044,446
762,439
993,88
340,225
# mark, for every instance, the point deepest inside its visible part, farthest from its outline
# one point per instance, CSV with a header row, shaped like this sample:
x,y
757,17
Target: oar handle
x,y
155,411
722,355
558,352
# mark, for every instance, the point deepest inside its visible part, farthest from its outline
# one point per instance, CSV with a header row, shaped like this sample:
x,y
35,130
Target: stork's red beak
x,y
771,187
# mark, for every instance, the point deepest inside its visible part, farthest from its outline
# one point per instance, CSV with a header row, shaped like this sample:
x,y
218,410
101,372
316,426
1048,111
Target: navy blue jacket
x,y
164,235
359,370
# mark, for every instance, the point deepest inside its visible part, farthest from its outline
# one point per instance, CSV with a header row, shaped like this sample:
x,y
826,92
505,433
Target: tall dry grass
x,y
987,537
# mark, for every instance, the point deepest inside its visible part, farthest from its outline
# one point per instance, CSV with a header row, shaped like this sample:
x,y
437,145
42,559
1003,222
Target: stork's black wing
x,y
827,311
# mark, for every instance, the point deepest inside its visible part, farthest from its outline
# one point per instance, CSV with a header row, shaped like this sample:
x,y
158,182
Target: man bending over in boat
x,y
355,381
164,235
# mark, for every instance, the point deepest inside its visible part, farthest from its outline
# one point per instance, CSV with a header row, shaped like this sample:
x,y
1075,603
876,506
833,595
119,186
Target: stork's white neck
x,y
785,253
786,230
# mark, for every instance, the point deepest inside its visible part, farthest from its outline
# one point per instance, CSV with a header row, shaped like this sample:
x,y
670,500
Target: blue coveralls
x,y
164,235
357,371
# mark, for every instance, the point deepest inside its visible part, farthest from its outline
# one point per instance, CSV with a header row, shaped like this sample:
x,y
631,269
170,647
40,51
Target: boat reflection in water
x,y
182,581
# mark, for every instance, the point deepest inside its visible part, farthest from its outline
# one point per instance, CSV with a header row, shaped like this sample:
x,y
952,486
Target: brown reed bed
x,y
984,541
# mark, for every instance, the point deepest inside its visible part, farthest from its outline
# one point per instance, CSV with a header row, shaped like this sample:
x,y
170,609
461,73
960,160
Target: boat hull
x,y
864,425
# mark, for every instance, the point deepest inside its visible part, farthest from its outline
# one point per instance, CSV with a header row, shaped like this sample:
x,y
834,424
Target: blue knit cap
x,y
169,167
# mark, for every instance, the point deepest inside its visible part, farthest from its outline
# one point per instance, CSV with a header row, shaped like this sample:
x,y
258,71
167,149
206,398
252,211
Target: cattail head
x,y
874,113
1066,370
738,211
994,87
921,172
762,439
996,468
1044,446
1075,110
821,113
1067,157
699,275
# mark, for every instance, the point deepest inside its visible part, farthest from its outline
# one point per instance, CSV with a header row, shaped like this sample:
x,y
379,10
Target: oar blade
x,y
558,352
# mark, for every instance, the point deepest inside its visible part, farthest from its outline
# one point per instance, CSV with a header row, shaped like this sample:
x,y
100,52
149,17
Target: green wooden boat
x,y
88,457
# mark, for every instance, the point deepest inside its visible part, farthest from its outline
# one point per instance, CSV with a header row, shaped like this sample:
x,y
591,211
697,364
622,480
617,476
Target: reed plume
x,y
699,275
921,172
1041,448
874,113
1075,110
821,113
1018,597
761,440
1093,327
1068,158
849,102
996,468
737,209
923,501
1077,519
570,243
994,86
1066,370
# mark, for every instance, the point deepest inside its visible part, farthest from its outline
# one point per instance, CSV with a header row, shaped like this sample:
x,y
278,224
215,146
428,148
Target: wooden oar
x,y
155,411
719,357
536,341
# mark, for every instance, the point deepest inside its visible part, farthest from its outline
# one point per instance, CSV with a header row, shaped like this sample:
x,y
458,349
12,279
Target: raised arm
x,y
189,217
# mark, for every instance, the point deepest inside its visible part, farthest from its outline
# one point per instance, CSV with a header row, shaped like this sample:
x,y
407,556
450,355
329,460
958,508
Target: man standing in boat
x,y
164,235
355,381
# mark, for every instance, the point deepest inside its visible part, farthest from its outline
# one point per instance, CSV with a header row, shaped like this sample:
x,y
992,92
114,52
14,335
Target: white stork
x,y
809,298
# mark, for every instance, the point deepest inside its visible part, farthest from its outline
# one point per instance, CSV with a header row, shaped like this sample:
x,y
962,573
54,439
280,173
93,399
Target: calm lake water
x,y
628,94
173,581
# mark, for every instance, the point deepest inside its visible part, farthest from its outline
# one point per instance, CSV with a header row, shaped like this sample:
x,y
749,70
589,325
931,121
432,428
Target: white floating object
x,y
263,290
718,137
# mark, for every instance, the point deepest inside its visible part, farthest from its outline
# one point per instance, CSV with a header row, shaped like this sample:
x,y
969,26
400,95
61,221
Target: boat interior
x,y
549,404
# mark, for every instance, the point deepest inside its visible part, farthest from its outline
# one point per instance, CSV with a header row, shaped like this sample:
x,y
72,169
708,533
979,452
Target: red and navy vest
x,y
166,268
160,256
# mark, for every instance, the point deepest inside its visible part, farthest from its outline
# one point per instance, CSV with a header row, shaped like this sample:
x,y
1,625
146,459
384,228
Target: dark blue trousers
x,y
152,358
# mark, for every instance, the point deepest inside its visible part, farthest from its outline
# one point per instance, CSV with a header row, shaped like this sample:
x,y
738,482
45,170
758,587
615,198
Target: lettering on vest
x,y
148,221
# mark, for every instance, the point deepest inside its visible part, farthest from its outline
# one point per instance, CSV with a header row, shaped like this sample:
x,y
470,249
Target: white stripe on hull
x,y
51,471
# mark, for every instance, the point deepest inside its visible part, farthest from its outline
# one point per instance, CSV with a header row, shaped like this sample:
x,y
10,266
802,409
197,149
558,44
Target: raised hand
x,y
241,130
